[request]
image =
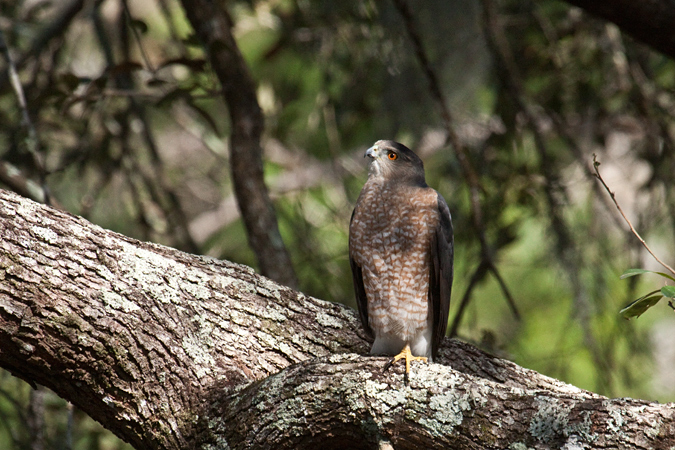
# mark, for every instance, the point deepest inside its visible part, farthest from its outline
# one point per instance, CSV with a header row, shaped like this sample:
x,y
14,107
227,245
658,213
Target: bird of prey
x,y
401,255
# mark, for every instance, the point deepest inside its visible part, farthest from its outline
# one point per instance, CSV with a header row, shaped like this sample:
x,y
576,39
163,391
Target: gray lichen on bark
x,y
171,350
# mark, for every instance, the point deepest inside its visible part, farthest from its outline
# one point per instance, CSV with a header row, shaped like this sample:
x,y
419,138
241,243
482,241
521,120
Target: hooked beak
x,y
371,152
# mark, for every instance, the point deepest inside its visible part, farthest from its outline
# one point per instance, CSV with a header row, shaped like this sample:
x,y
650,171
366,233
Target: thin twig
x,y
502,284
478,274
596,164
32,141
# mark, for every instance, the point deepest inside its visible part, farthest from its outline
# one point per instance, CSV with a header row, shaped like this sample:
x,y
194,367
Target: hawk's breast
x,y
390,237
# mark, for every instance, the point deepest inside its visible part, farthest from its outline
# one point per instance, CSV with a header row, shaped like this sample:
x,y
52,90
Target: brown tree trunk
x,y
214,28
173,351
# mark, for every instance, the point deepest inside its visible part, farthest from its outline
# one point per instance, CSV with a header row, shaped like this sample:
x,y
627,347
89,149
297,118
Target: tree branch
x,y
441,408
12,176
32,140
132,333
174,351
213,27
596,164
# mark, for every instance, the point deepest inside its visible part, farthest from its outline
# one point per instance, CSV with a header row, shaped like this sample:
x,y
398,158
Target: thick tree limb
x,y
345,397
174,351
133,333
214,28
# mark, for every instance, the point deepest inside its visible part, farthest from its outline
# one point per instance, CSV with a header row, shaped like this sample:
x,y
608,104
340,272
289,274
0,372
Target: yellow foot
x,y
407,354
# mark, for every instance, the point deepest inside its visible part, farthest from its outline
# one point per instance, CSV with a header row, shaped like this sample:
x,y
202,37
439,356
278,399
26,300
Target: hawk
x,y
401,255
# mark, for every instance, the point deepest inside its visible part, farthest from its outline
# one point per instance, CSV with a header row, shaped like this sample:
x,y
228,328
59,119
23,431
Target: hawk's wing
x,y
359,288
440,276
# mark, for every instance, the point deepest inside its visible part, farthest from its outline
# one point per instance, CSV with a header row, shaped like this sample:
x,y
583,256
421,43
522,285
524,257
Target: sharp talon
x,y
408,356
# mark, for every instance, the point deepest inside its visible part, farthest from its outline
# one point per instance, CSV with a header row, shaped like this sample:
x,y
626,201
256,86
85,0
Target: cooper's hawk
x,y
401,251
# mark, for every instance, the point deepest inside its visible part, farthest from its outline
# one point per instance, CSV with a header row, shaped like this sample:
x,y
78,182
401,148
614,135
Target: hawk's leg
x,y
407,354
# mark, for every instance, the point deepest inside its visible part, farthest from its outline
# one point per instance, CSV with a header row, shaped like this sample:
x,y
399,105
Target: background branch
x,y
555,193
650,22
32,140
213,26
54,29
487,259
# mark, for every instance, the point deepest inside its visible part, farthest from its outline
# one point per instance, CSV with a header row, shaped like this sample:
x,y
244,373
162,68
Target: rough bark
x,y
214,28
649,21
173,351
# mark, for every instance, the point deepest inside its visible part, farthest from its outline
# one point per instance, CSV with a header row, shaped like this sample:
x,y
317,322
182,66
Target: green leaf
x,y
632,272
668,291
639,306
666,275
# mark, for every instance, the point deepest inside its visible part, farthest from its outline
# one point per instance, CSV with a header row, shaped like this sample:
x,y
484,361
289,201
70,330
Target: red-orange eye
x,y
393,156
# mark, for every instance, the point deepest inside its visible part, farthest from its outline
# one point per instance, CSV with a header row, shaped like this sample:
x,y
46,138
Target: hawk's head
x,y
395,162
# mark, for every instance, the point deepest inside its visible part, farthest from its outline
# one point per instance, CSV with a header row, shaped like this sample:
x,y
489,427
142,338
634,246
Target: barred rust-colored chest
x,y
391,238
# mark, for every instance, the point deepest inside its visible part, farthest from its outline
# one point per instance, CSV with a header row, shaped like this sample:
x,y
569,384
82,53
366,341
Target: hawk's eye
x,y
393,156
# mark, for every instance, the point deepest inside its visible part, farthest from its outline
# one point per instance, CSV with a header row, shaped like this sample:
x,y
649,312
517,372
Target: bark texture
x,y
174,351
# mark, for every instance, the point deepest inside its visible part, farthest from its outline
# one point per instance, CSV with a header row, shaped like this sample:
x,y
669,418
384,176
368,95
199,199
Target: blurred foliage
x,y
131,125
61,426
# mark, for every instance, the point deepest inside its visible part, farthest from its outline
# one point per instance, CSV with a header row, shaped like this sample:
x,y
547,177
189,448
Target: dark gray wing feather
x,y
359,290
440,279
